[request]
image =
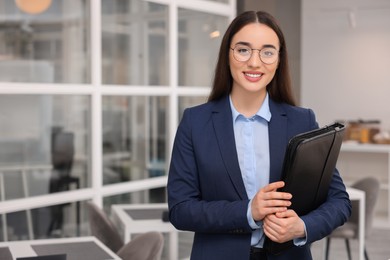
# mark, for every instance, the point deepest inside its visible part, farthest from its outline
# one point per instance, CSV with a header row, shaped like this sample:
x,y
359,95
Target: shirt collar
x,y
263,112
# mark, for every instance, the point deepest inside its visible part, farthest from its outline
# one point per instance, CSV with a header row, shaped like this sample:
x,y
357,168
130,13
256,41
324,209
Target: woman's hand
x,y
283,226
270,201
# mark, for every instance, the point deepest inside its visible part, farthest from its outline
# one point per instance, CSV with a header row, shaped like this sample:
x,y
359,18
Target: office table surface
x,y
140,218
75,248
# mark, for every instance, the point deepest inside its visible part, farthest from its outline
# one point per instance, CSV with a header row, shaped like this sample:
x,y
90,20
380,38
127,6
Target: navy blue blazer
x,y
206,193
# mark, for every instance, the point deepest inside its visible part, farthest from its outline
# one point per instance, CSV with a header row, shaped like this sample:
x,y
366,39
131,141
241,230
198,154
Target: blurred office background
x,y
91,93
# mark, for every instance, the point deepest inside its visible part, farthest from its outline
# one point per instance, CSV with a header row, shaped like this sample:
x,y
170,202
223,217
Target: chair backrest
x,y
62,150
145,246
370,186
102,228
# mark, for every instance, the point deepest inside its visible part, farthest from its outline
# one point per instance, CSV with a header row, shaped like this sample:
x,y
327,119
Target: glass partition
x,y
64,220
48,44
134,43
200,36
134,138
46,151
219,1
157,195
44,144
190,101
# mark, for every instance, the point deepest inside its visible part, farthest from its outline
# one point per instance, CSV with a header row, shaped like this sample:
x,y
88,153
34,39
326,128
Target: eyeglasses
x,y
244,53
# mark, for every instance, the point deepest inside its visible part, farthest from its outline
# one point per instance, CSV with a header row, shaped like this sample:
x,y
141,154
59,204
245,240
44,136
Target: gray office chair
x,y
146,246
350,229
62,155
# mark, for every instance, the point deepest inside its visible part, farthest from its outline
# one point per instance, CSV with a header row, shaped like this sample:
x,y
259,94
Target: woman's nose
x,y
255,60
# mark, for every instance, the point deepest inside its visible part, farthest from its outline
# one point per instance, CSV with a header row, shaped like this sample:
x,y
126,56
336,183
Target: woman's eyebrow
x,y
250,45
244,43
269,46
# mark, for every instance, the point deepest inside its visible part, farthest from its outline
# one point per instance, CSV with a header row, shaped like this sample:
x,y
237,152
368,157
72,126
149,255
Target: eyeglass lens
x,y
244,53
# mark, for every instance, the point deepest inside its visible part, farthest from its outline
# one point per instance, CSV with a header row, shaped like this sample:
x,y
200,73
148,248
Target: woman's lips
x,y
253,76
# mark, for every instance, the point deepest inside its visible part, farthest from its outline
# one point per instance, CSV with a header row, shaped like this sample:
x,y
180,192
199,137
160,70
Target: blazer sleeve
x,y
192,194
333,213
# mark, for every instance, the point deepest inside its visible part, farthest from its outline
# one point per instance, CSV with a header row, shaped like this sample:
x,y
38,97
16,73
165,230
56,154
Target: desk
x,y
356,160
141,218
360,196
76,248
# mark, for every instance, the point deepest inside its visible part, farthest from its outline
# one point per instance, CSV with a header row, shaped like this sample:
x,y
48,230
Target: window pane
x,y
200,36
219,1
134,138
66,220
185,102
44,141
135,43
157,195
51,46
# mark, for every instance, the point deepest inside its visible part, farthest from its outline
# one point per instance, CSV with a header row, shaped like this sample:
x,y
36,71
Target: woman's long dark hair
x,y
279,88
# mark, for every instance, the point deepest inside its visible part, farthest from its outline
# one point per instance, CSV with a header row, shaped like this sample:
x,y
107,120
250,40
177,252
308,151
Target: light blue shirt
x,y
252,144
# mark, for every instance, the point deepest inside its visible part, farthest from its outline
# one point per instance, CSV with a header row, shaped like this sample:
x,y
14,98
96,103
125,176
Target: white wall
x,y
346,59
288,14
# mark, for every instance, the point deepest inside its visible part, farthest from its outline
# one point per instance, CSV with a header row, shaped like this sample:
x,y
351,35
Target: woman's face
x,y
253,76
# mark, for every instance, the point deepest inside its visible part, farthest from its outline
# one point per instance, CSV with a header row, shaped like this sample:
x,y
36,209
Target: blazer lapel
x,y
277,129
223,126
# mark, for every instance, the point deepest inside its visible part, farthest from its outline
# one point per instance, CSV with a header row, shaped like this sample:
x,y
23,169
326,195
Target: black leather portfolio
x,y
308,167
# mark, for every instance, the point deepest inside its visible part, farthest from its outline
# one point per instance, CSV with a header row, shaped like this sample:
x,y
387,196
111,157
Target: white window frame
x,y
96,91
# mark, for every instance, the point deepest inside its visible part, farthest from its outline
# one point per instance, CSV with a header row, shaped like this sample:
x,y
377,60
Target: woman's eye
x,y
243,50
268,53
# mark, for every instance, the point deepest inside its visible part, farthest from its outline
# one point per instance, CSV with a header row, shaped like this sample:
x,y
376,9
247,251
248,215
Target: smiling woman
x,y
252,75
226,163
